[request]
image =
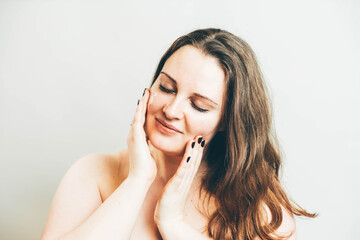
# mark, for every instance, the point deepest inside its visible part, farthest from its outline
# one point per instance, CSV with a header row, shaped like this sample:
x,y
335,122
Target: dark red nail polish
x,y
188,159
199,140
144,91
203,143
192,144
138,102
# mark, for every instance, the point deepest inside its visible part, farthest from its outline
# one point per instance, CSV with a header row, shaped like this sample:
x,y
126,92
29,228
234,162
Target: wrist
x,y
179,229
141,177
173,225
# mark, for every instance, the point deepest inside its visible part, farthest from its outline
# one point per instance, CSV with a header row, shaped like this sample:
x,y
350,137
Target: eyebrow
x,y
196,94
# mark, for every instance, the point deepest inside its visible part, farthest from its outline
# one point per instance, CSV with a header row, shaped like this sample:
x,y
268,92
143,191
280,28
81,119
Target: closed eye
x,y
164,89
198,108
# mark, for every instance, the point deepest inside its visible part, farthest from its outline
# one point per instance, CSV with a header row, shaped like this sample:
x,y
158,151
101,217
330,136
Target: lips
x,y
167,125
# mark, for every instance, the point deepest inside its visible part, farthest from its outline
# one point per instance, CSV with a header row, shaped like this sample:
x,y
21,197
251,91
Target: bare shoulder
x,y
105,168
111,170
86,184
288,225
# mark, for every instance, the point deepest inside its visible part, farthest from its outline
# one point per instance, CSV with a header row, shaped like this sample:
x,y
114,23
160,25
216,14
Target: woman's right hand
x,y
141,163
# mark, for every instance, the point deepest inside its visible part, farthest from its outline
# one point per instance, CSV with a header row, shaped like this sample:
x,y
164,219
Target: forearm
x,y
180,230
116,217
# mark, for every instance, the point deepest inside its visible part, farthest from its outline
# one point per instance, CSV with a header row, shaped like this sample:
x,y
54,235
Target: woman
x,y
201,162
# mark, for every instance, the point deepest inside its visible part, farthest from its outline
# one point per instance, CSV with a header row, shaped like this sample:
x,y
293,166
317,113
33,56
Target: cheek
x,y
154,104
205,126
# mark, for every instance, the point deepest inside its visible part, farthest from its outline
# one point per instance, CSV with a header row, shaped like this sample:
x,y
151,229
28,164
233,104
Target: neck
x,y
166,164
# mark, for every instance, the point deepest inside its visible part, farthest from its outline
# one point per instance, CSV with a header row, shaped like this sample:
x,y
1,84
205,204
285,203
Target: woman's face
x,y
186,100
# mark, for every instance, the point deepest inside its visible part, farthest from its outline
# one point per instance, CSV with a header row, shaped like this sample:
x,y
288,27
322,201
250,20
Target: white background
x,y
71,73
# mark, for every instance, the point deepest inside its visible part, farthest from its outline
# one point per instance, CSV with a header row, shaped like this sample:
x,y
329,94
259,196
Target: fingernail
x,y
138,102
203,143
199,140
193,144
188,159
144,91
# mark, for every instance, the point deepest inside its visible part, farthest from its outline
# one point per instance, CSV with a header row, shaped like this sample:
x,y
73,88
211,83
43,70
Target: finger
x,y
184,165
193,165
181,182
141,108
199,148
144,104
189,148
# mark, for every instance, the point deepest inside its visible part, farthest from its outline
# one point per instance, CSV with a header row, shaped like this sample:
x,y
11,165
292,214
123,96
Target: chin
x,y
170,145
166,145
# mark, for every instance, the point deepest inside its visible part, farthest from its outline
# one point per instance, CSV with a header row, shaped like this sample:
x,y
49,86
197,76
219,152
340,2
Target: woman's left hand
x,y
170,207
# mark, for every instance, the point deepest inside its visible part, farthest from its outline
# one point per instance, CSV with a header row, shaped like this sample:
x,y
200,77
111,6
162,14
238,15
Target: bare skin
x,y
150,190
127,196
145,227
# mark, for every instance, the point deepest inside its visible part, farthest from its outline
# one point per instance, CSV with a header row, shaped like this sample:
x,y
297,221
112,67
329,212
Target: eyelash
x,y
162,88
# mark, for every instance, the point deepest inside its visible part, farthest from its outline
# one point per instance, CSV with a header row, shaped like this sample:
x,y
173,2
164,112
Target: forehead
x,y
191,68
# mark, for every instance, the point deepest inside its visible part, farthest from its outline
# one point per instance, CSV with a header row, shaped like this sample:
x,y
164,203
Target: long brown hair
x,y
243,158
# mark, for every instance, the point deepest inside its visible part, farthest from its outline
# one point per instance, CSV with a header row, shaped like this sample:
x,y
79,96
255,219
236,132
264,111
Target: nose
x,y
173,109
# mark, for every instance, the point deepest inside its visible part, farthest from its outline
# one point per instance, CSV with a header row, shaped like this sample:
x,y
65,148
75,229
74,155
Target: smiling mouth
x,y
166,127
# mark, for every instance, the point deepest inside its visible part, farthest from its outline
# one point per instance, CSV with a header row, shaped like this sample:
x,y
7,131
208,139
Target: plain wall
x,y
71,73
